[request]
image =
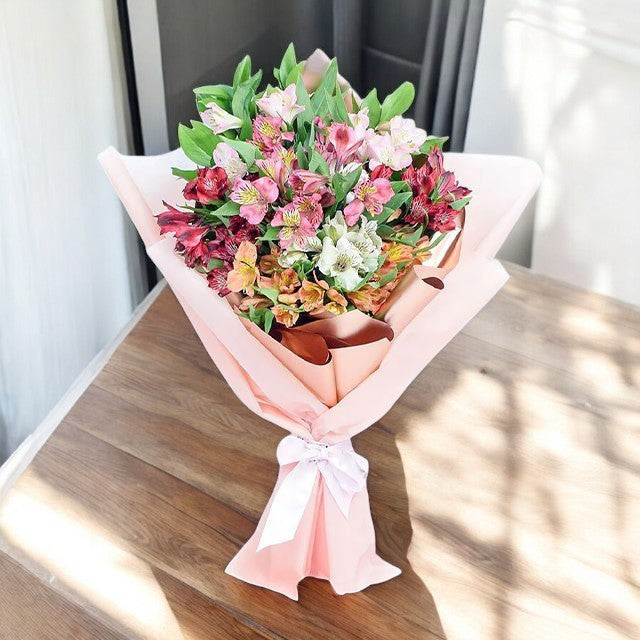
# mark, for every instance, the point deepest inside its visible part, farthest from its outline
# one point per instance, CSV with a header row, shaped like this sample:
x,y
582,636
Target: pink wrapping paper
x,y
334,401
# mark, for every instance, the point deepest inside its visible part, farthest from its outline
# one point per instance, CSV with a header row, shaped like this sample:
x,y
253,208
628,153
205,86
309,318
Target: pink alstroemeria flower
x,y
370,195
278,165
382,150
281,104
344,141
254,197
268,134
307,182
297,227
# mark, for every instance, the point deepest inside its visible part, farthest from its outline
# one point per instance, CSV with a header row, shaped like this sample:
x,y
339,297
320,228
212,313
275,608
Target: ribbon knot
x,y
343,470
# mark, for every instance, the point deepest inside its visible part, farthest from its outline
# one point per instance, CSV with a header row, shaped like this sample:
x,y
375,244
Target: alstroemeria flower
x,y
278,165
287,281
217,279
281,104
419,209
368,299
360,123
312,295
442,217
405,135
342,261
210,185
310,208
285,315
244,272
174,220
228,158
219,120
268,134
380,172
382,150
370,195
307,182
345,143
254,197
338,304
367,241
296,227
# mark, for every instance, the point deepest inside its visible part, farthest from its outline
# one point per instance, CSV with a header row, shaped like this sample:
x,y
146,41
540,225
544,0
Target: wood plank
x,y
31,609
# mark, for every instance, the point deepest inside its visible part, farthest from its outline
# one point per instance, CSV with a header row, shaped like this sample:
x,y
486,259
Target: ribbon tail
x,y
288,505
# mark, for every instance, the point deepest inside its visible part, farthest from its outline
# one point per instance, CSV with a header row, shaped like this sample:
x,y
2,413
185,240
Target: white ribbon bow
x,y
344,472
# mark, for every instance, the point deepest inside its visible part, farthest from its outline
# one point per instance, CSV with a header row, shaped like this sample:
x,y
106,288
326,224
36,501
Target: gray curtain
x,y
432,43
379,43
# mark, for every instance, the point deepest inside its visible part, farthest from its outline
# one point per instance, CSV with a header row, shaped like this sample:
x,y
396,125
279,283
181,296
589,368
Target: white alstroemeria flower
x,y
383,150
405,135
336,227
228,158
342,260
368,243
219,120
290,257
360,122
281,104
312,245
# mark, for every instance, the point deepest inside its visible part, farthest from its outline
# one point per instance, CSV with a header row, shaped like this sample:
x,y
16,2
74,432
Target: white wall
x,y
70,268
559,81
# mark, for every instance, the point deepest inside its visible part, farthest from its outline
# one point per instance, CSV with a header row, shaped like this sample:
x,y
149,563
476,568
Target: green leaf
x,y
399,186
318,164
287,64
327,86
243,72
339,111
214,263
198,143
222,91
268,320
271,233
272,294
303,161
384,215
412,238
431,142
461,203
388,277
186,174
373,104
343,184
229,208
303,100
294,74
399,199
396,103
248,151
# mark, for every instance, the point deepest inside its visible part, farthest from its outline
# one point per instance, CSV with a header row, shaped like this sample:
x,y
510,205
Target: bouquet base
x,y
326,545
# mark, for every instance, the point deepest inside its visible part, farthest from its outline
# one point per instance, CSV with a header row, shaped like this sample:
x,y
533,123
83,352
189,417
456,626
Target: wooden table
x,y
504,483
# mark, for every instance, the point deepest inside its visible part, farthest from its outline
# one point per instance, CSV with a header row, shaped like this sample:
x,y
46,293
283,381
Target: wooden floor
x,y
505,483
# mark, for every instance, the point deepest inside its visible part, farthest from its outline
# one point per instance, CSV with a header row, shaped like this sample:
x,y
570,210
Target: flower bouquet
x,y
307,235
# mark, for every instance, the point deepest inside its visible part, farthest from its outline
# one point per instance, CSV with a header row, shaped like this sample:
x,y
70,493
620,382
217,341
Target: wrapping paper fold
x,y
353,370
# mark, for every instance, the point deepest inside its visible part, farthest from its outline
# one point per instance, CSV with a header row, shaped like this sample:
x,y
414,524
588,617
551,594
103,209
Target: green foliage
x,y
396,103
185,174
432,141
372,103
198,142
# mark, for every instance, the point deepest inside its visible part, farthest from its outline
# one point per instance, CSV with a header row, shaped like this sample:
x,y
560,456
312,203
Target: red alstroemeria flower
x,y
419,209
370,195
217,279
381,171
442,217
211,184
174,220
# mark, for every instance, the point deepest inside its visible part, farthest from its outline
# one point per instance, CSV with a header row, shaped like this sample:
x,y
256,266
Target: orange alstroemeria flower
x,y
244,273
311,295
368,299
286,316
287,281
